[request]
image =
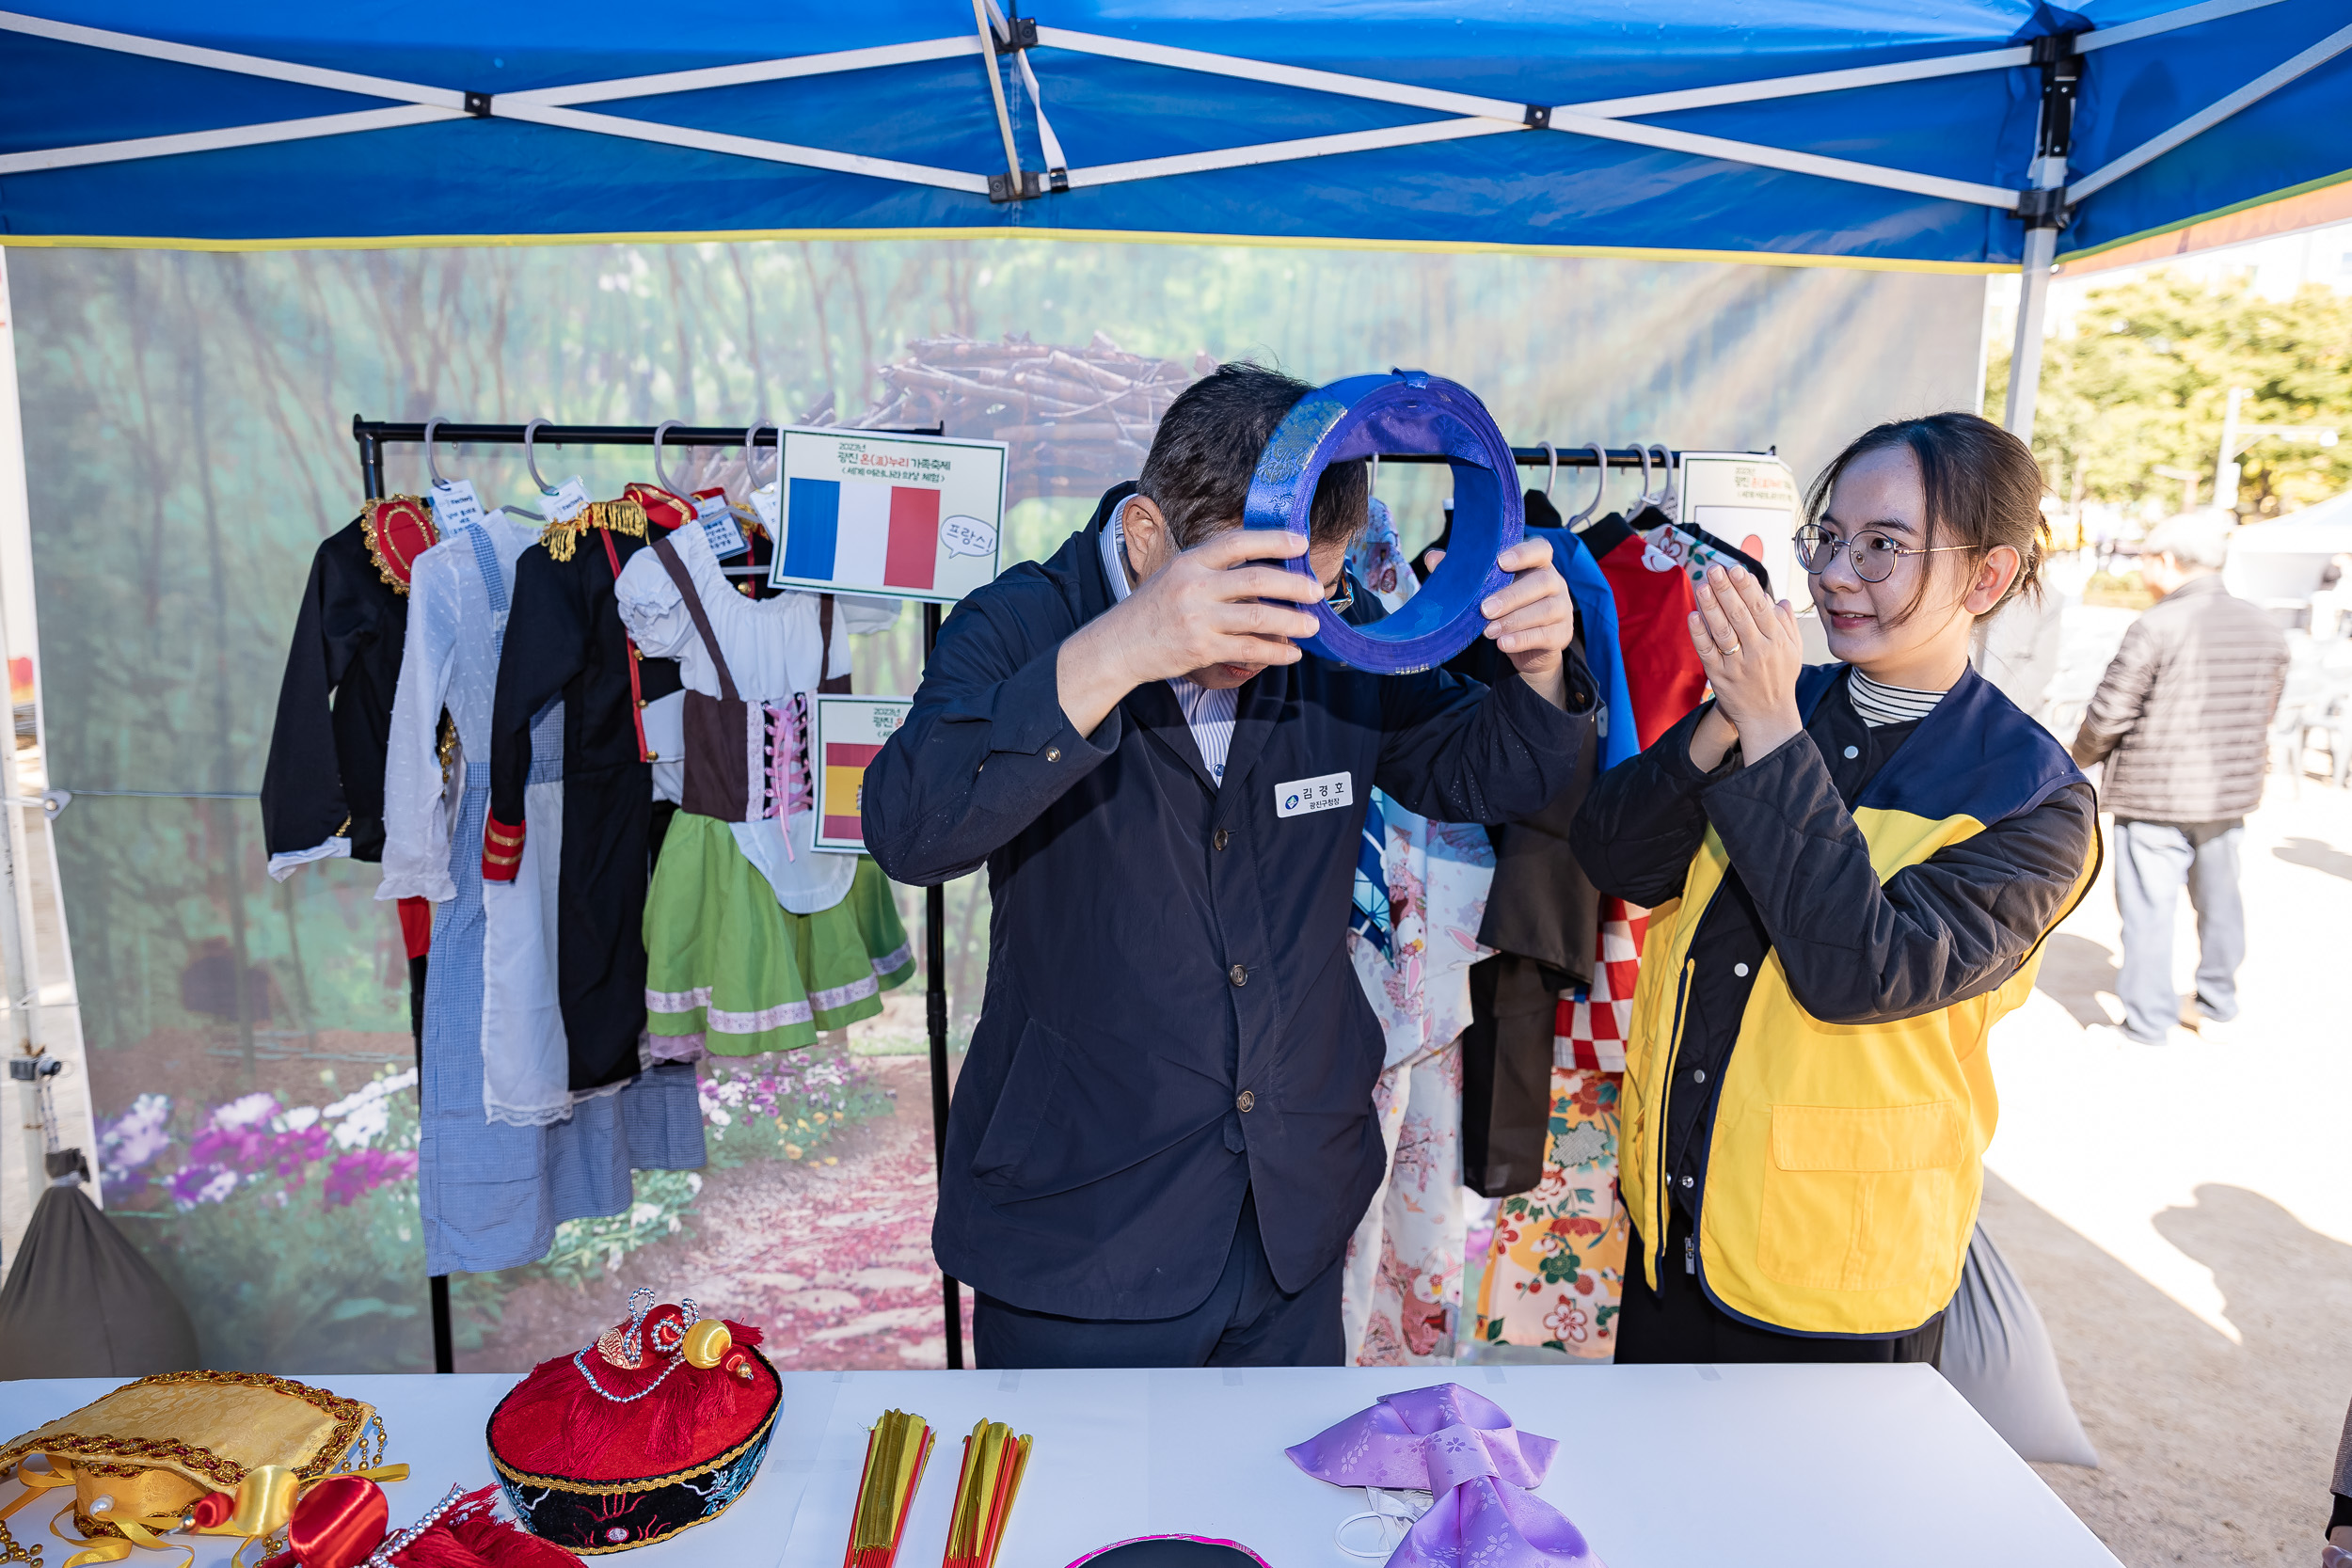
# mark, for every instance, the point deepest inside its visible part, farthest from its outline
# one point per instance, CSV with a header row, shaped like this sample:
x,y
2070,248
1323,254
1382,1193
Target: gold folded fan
x,y
158,1444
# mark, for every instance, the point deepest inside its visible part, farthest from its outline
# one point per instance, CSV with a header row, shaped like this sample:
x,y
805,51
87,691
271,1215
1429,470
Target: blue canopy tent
x,y
1966,134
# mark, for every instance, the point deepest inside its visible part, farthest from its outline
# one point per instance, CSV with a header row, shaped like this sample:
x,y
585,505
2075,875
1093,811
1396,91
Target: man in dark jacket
x,y
1163,1134
2181,719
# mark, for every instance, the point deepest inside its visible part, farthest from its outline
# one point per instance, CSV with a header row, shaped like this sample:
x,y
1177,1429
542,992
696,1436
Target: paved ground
x,y
2183,1217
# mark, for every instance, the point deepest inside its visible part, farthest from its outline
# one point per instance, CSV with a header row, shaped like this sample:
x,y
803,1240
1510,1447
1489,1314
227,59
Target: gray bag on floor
x,y
1997,1354
81,1302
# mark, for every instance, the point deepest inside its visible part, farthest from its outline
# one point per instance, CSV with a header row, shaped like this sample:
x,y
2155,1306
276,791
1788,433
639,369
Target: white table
x,y
1661,1466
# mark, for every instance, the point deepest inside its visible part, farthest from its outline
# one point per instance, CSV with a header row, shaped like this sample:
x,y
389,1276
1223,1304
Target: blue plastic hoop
x,y
1404,411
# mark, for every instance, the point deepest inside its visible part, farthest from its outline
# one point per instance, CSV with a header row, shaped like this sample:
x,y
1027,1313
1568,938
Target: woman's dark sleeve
x,y
1643,821
1955,925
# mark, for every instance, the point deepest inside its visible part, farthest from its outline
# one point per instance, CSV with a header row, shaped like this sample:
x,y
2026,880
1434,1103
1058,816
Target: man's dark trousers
x,y
1246,1321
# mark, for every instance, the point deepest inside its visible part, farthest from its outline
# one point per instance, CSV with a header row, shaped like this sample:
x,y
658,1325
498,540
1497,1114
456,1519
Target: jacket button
x,y
1741,970
1239,975
1698,1075
1689,1183
1220,839
1853,752
1053,754
1245,1100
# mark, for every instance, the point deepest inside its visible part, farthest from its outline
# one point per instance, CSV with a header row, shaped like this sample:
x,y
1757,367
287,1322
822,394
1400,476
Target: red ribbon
x,y
339,1522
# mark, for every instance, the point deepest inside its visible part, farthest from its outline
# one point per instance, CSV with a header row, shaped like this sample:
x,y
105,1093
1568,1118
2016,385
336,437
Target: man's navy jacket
x,y
1171,1017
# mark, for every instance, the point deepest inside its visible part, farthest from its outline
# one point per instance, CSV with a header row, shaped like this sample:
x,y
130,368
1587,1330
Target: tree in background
x,y
2143,382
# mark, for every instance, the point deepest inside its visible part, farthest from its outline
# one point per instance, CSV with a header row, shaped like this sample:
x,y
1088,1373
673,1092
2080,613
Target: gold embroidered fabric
x,y
621,516
398,529
160,1443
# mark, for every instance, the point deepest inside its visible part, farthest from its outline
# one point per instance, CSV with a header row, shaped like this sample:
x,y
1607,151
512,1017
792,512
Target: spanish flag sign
x,y
849,732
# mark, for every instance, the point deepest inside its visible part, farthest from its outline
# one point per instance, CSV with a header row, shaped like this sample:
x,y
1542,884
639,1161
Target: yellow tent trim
x,y
1098,236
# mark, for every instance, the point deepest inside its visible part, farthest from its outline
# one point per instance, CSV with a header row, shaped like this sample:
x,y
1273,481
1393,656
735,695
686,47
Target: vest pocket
x,y
1861,1198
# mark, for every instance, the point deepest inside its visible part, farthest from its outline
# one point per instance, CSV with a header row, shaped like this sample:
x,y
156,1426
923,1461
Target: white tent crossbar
x,y
2164,22
2212,114
1284,152
1054,158
219,59
1793,86
228,137
747,147
1905,70
742,75
1795,163
1282,75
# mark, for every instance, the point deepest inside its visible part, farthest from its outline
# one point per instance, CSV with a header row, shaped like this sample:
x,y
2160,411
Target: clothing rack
x,y
373,436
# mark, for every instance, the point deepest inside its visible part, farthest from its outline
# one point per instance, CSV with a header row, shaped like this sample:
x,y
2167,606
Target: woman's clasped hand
x,y
1750,648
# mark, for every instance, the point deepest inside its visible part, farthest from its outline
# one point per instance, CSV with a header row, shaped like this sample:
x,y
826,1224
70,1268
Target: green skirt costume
x,y
725,960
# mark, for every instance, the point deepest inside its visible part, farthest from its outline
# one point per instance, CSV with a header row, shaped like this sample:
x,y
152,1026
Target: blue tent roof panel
x,y
1413,166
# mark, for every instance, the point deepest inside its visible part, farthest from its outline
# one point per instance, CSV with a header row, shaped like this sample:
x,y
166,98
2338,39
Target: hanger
x,y
1645,500
751,460
531,462
1552,471
751,453
1665,501
432,470
662,475
1600,489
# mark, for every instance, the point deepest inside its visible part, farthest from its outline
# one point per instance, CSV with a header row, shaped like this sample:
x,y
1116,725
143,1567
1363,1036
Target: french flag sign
x,y
909,516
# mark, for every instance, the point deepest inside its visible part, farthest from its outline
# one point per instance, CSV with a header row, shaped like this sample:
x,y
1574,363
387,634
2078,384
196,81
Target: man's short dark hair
x,y
1198,471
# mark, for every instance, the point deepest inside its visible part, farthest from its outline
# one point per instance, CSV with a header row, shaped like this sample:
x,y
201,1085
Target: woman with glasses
x,y
1850,869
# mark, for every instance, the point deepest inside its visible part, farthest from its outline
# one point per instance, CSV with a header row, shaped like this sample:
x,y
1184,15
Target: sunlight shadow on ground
x,y
2075,970
2319,856
2210,1452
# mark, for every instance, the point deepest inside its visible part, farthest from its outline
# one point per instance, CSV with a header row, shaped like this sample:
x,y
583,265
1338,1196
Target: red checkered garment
x,y
1592,1022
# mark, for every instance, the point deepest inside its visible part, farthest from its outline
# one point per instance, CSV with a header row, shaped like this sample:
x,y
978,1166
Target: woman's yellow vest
x,y
1845,1161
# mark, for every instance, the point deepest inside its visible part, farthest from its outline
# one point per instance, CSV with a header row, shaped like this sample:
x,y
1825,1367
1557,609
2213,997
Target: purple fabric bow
x,y
1458,1446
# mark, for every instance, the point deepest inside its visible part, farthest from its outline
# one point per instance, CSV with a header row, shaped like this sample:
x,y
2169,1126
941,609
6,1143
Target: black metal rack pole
x,y
935,1023
444,1347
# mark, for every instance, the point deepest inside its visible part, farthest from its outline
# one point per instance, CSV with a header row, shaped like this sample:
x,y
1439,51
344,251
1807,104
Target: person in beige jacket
x,y
2181,719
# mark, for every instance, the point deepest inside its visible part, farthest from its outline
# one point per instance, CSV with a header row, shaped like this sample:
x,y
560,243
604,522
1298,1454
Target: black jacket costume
x,y
564,640
324,776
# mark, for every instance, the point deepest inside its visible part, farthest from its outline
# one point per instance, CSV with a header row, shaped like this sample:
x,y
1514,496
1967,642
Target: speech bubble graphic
x,y
967,536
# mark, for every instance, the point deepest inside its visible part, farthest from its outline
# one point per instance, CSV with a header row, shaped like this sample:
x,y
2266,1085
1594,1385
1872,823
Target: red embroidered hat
x,y
658,1426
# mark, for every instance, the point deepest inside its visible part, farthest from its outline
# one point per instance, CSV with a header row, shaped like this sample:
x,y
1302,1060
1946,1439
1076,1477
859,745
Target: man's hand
x,y
1203,609
1752,653
1530,618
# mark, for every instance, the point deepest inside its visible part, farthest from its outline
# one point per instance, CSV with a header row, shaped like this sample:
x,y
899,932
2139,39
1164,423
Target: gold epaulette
x,y
621,516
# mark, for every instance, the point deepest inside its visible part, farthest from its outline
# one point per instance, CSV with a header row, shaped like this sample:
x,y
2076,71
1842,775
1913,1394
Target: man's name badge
x,y
1301,797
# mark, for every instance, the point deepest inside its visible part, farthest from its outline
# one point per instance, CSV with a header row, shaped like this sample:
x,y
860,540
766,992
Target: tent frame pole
x,y
2046,209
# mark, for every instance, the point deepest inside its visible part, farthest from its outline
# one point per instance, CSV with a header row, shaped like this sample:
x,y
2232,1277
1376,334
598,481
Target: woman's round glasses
x,y
1874,553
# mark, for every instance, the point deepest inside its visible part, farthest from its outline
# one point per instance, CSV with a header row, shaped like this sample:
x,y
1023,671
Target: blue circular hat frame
x,y
1403,412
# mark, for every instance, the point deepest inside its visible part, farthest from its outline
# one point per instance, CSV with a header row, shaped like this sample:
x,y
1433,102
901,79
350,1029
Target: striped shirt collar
x,y
1880,705
1208,712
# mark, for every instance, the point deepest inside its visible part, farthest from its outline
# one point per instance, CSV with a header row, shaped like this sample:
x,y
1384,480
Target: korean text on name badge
x,y
1301,797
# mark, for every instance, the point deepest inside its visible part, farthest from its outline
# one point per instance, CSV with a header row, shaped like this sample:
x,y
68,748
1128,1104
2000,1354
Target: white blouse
x,y
774,650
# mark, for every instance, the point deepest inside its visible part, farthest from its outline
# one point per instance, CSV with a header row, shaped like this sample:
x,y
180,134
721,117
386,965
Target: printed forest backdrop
x,y
187,425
